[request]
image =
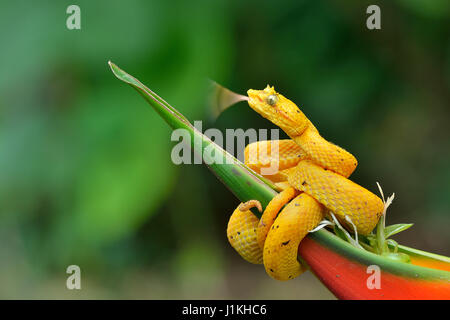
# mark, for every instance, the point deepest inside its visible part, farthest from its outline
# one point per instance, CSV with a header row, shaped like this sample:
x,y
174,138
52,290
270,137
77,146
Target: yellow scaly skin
x,y
312,170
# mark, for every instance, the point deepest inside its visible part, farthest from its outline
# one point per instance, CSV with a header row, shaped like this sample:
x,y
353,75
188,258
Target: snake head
x,y
279,110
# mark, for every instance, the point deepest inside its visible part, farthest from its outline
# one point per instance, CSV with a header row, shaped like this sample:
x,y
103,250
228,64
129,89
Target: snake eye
x,y
272,99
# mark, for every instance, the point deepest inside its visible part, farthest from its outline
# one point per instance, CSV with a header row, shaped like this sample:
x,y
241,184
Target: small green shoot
x,y
378,241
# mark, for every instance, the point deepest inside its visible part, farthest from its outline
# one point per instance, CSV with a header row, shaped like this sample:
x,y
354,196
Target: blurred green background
x,y
85,171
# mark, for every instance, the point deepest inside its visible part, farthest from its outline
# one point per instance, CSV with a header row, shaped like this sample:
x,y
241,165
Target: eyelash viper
x,y
313,173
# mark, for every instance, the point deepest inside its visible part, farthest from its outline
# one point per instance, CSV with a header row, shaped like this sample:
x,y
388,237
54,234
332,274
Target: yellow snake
x,y
313,175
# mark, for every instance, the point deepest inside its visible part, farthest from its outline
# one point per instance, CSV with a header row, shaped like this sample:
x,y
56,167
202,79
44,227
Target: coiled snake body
x,y
313,174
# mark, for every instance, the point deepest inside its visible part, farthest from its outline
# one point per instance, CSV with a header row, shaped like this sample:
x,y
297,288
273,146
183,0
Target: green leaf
x,y
396,228
241,180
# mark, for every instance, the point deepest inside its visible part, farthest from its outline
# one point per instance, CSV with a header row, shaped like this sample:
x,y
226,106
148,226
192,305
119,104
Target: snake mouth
x,y
253,97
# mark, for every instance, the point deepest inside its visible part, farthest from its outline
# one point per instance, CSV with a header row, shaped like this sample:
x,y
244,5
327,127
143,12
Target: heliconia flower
x,y
345,268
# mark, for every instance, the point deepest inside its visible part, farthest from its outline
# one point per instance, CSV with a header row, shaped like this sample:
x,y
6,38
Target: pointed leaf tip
x,y
396,228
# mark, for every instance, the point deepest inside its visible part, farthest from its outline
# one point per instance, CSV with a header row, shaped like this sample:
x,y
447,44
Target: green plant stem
x,y
381,239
